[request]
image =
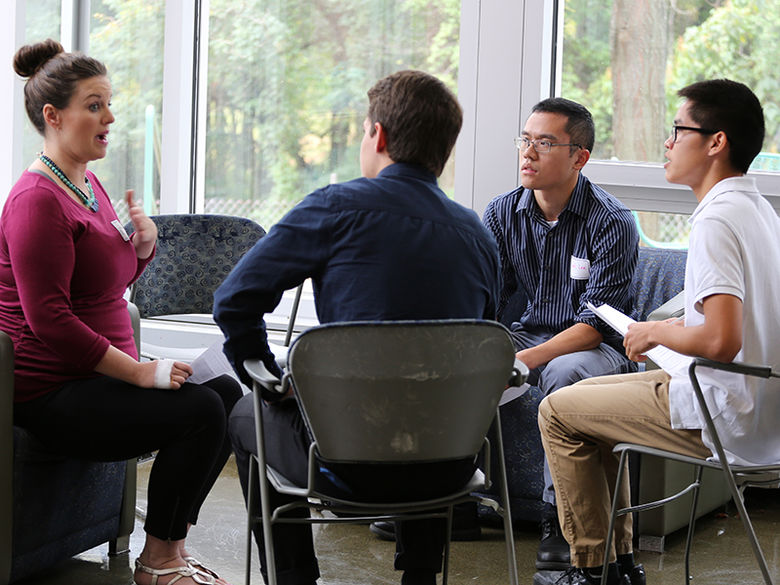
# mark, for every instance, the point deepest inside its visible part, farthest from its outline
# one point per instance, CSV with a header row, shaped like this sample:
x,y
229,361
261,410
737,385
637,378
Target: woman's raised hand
x,y
145,229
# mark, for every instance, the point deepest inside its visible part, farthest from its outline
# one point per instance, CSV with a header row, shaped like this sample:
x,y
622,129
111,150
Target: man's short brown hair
x,y
420,115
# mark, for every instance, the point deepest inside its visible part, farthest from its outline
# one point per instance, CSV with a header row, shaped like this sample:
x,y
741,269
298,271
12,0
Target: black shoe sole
x,y
551,565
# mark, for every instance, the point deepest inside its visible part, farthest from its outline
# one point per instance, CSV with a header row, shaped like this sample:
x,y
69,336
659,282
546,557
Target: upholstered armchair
x,y
194,255
51,507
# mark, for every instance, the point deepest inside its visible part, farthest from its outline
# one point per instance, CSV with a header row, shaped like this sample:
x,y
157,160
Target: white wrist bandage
x,y
162,375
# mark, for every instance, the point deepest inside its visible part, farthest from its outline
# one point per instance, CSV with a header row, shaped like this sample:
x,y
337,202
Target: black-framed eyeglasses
x,y
541,146
676,129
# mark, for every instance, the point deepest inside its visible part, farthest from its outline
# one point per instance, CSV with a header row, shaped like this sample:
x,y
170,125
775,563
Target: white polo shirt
x,y
735,249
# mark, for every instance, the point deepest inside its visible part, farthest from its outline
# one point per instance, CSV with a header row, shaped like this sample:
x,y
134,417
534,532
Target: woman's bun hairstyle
x,y
30,58
52,76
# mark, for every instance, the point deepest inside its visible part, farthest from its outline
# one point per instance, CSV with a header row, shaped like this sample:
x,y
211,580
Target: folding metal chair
x,y
738,477
390,392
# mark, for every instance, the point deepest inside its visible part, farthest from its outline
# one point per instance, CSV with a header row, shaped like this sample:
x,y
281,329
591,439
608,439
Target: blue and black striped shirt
x,y
589,255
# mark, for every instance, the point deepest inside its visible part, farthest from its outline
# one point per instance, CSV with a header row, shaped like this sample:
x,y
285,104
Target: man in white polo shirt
x,y
732,311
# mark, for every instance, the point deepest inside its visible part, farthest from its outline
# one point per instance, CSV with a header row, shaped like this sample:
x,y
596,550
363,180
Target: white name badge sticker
x,y
121,229
580,268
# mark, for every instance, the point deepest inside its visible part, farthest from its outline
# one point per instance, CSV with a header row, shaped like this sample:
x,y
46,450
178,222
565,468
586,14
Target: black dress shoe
x,y
637,575
386,531
553,553
576,576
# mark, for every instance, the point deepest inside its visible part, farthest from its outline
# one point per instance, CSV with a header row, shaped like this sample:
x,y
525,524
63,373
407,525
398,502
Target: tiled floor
x,y
350,555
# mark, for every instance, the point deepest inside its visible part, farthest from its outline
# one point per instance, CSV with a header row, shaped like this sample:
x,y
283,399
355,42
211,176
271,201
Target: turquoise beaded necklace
x,y
91,201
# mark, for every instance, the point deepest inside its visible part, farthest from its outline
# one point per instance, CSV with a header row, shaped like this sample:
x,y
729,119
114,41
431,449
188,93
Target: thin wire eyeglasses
x,y
676,129
541,146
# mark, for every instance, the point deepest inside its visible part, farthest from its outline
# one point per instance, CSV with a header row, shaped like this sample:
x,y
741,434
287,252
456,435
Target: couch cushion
x,y
659,275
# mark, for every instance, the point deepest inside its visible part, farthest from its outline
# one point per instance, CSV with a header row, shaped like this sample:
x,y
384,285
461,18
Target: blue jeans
x,y
566,370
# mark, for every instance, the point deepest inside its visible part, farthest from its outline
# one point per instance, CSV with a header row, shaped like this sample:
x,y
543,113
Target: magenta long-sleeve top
x,y
63,273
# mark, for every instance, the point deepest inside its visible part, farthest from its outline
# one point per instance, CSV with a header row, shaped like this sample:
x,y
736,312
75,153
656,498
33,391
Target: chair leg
x,y
119,545
250,505
265,507
692,524
447,539
613,516
509,535
751,533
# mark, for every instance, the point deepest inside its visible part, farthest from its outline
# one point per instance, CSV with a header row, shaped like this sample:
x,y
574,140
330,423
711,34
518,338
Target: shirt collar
x,y
409,170
577,202
742,183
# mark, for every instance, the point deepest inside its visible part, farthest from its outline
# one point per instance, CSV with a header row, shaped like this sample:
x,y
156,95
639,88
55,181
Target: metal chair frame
x,y
364,512
738,477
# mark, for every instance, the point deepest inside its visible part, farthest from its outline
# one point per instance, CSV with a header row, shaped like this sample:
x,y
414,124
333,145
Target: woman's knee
x,y
228,389
202,406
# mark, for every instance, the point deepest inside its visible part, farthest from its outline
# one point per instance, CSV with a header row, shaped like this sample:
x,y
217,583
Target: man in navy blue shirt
x,y
387,246
563,242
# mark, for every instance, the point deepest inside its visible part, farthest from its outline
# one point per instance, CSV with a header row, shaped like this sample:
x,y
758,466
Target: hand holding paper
x,y
673,363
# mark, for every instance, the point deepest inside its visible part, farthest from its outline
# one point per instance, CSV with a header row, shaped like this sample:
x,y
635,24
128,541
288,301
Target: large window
x,y
127,35
287,86
281,91
42,21
625,61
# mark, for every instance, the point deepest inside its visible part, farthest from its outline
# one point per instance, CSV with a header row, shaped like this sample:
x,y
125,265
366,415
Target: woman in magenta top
x,y
65,263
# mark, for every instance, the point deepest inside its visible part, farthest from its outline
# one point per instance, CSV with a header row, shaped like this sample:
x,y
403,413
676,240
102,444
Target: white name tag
x,y
580,268
121,229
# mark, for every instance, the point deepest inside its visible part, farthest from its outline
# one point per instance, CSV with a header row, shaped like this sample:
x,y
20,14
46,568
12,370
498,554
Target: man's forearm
x,y
578,337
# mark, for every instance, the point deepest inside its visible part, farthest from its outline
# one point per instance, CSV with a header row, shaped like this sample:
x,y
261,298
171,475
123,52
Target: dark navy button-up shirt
x,y
589,255
389,248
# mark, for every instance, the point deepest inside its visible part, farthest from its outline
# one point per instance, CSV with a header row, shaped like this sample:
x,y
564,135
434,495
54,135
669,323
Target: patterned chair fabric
x,y
194,255
659,275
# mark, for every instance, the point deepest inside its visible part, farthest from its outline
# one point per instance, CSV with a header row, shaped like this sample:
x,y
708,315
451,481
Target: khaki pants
x,y
580,424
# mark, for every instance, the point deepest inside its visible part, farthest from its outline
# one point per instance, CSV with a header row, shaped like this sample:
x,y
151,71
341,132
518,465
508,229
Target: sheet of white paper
x,y
212,362
671,362
614,318
513,392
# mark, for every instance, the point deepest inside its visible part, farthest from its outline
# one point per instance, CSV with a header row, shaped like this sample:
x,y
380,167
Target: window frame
x,y
496,104
496,88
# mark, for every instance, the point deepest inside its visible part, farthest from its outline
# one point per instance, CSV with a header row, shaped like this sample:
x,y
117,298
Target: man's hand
x,y
640,338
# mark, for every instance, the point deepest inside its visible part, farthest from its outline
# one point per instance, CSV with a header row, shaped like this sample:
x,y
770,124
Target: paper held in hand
x,y
673,363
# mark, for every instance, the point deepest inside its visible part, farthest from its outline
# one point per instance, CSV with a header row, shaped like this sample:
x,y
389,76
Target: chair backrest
x,y
401,391
194,255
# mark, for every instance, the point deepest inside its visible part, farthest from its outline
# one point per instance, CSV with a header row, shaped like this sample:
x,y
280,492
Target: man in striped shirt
x,y
563,242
